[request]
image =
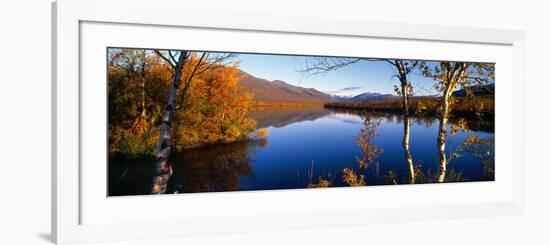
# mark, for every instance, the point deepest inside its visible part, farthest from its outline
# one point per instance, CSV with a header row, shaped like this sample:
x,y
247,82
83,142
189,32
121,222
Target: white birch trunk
x,y
163,170
406,137
406,119
441,137
453,79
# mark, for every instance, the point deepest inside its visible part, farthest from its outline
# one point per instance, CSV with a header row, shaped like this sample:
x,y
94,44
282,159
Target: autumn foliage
x,y
364,140
351,178
214,110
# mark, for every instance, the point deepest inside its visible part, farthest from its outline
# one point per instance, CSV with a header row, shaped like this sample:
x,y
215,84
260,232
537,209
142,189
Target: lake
x,y
304,145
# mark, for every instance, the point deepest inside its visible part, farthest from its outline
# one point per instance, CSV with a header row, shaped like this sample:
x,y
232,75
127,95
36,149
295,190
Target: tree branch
x,y
165,58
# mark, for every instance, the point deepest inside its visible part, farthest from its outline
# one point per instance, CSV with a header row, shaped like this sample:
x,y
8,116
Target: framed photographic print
x,y
172,125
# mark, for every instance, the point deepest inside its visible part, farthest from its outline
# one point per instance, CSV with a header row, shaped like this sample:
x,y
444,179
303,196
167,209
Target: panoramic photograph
x,y
186,121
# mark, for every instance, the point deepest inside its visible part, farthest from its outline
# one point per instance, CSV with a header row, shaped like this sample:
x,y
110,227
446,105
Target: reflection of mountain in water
x,y
281,117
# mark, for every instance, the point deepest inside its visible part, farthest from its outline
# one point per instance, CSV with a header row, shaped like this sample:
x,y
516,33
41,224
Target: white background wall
x,y
25,122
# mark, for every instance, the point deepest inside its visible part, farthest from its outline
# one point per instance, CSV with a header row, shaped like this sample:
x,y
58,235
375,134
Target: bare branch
x,y
194,70
172,57
212,60
165,58
323,65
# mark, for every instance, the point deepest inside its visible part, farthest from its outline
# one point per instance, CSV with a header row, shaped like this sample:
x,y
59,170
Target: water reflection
x,y
213,168
308,144
281,117
422,120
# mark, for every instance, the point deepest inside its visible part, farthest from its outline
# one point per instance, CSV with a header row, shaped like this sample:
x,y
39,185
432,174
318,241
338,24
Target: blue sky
x,y
354,79
364,76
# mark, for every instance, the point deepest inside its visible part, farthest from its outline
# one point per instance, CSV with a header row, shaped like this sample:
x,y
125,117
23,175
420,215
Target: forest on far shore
x,y
463,107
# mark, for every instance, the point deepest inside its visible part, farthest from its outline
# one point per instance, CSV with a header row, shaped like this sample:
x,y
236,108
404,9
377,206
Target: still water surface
x,y
303,145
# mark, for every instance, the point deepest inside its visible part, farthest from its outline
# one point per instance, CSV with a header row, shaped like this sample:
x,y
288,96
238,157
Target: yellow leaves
x,y
462,124
232,133
215,109
370,151
420,107
479,147
262,133
139,126
323,183
349,177
454,129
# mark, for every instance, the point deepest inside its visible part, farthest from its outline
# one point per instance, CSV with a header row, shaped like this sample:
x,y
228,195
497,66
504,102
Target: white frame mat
x,y
80,216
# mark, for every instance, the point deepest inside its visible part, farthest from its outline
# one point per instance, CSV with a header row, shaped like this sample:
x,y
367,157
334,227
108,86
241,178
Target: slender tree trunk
x,y
406,119
442,135
453,79
163,170
143,110
406,133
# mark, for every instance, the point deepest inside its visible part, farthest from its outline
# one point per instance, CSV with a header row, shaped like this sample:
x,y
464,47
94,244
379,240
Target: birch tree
x,y
163,170
322,65
403,69
449,76
185,66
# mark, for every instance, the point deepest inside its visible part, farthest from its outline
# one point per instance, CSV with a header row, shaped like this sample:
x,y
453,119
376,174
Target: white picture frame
x,y
68,18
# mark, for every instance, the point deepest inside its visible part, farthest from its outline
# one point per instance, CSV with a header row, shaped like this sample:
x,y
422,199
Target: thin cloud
x,y
351,88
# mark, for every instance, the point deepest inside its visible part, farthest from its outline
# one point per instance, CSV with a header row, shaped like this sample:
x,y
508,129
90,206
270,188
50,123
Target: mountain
x,y
358,94
280,91
342,97
478,90
364,97
368,96
345,93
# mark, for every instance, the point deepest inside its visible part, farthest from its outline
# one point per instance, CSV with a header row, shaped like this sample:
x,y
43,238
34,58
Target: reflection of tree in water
x,y
425,122
214,168
355,176
475,146
477,124
482,149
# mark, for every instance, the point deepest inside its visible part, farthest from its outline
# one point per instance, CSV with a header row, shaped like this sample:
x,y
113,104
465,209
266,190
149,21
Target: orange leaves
x,y
323,183
349,177
212,106
215,109
364,140
369,151
461,125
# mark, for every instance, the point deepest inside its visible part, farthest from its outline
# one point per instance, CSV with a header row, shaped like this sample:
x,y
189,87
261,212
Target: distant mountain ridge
x,y
368,96
364,97
280,91
477,90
